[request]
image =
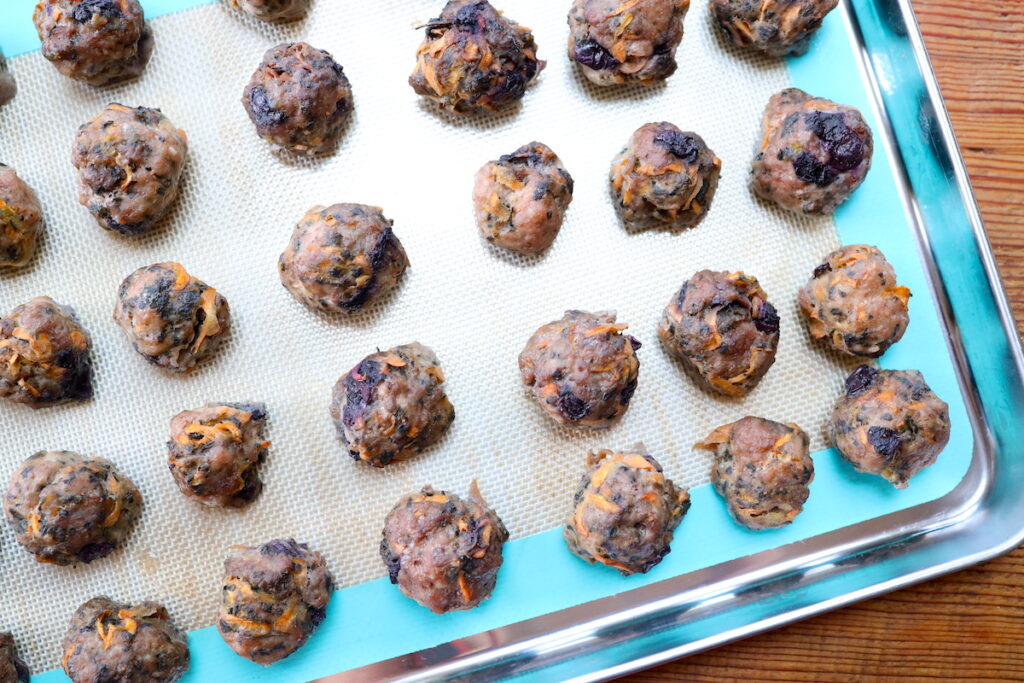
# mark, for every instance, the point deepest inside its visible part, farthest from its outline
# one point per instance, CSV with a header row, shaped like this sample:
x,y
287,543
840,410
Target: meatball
x,y
173,319
273,10
341,258
299,99
65,508
8,86
112,641
12,669
21,219
761,469
129,165
664,178
391,405
582,369
722,328
889,422
274,597
441,551
215,451
852,301
474,59
813,152
44,355
615,41
626,511
777,27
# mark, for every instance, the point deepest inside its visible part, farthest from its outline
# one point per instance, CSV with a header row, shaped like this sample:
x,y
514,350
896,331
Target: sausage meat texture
x,y
8,86
21,219
273,10
12,669
776,27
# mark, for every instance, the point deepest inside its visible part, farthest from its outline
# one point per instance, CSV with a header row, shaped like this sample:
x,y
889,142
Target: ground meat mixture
x,y
8,86
341,258
853,303
521,199
273,10
12,669
173,319
274,597
21,219
110,642
582,369
626,512
214,453
777,27
65,508
664,178
813,153
626,41
474,59
721,326
441,551
392,405
44,355
761,469
889,422
299,99
129,165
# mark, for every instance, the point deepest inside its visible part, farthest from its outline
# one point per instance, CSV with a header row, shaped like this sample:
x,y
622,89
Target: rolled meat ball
x,y
21,219
44,355
172,319
776,27
442,551
274,597
12,669
723,329
299,99
626,511
520,200
341,258
762,469
8,86
581,369
474,59
273,10
65,508
813,153
664,178
110,641
392,405
890,423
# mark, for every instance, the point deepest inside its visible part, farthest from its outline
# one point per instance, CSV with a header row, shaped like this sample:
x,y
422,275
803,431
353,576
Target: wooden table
x,y
968,625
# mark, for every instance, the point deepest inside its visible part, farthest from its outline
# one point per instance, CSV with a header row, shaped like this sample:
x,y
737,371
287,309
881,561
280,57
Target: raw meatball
x,y
110,642
275,596
626,511
582,369
521,199
392,405
65,508
721,326
342,258
12,669
299,99
215,451
889,422
777,27
44,355
21,218
129,165
441,551
852,301
172,319
761,469
813,152
273,10
474,59
8,87
664,178
620,41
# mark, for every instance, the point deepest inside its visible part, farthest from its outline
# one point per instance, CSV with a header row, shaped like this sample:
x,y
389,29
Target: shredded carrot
x,y
608,327
464,588
211,326
601,503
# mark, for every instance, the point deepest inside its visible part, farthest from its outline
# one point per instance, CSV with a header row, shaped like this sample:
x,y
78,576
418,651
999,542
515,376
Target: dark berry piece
x,y
810,170
860,379
884,440
679,144
592,54
572,406
769,320
822,269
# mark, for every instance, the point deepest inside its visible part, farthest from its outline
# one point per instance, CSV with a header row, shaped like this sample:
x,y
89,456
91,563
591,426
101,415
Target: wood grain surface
x,y
969,625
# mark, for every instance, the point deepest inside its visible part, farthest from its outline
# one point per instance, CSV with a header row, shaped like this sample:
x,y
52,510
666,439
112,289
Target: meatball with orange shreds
x,y
8,86
273,10
12,669
21,220
775,27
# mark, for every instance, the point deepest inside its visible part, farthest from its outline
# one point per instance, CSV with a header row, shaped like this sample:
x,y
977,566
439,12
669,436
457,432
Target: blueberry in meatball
x,y
65,508
520,200
392,405
273,10
8,86
664,178
341,258
890,423
274,597
776,27
474,59
12,669
582,369
442,551
626,511
813,153
21,219
172,319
